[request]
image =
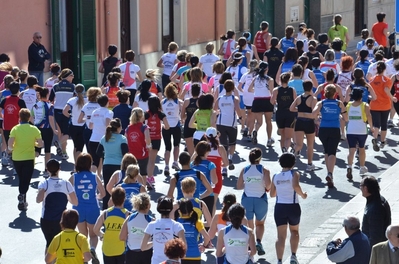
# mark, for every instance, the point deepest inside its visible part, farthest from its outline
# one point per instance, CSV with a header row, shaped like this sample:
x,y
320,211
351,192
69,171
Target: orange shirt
x,y
383,102
378,32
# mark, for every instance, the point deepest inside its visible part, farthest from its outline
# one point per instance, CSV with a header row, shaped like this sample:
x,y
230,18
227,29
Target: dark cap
x,y
112,49
356,93
365,33
237,56
53,166
263,65
14,87
165,205
194,60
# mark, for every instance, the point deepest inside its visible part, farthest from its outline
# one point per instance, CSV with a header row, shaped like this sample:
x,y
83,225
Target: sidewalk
x,y
312,249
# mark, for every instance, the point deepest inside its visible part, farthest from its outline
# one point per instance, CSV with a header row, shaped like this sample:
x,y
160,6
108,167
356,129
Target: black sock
x,y
294,254
258,241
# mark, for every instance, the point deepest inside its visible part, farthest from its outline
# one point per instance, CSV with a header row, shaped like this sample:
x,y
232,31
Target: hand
x,y
201,248
337,242
372,130
304,195
395,100
55,131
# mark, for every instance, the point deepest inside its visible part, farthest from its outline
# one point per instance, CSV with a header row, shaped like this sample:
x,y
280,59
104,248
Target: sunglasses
x,y
39,37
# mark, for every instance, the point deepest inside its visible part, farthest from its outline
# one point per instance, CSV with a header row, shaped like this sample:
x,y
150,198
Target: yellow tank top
x,y
114,218
69,247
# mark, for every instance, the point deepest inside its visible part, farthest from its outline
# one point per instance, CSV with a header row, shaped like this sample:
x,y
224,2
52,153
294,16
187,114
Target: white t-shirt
x,y
162,230
88,109
207,61
143,105
98,119
75,110
30,98
130,80
172,110
168,60
246,80
136,224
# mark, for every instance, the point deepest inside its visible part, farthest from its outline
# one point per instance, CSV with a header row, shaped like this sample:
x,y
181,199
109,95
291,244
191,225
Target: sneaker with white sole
x,y
375,145
231,165
293,260
224,172
166,171
58,146
349,173
65,156
22,204
270,142
94,258
363,170
383,144
310,167
259,249
254,137
390,123
151,180
175,166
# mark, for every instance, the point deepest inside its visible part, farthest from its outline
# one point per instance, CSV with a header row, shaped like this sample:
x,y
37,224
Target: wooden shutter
x,y
262,11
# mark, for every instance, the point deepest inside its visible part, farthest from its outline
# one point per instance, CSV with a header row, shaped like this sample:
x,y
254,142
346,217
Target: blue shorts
x,y
88,214
287,214
62,121
354,140
242,105
255,206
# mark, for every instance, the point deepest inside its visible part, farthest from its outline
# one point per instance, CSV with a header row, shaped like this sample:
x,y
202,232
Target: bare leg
x,y
151,161
294,240
310,143
280,242
190,145
269,126
260,229
351,154
362,157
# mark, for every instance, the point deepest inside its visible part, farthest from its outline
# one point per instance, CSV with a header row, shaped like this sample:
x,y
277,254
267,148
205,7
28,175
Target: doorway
x,y
359,17
167,23
125,26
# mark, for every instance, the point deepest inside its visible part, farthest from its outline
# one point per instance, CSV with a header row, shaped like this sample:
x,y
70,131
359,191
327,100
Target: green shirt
x,y
203,118
25,136
340,33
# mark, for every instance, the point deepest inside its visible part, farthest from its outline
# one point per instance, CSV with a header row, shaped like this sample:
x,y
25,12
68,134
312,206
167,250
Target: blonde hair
x,y
136,116
153,75
188,185
141,201
132,171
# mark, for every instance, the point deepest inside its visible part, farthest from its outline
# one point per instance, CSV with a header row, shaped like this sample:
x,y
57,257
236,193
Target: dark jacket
x,y
376,218
353,250
37,55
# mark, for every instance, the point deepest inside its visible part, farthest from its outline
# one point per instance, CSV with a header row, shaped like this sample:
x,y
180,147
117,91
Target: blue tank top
x,y
205,167
297,84
364,66
244,62
187,173
130,189
85,185
287,66
366,92
192,235
330,112
319,76
287,43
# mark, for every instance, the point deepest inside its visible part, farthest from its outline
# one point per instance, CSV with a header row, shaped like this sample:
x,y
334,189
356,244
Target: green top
x,y
203,118
340,33
25,138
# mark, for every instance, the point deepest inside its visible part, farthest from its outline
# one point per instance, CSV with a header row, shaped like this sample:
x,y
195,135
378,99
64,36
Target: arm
x,y
81,117
251,86
273,100
66,110
387,90
266,179
220,244
165,123
206,237
99,223
40,196
220,51
160,63
273,191
72,198
183,113
297,187
192,123
293,107
39,143
223,154
318,90
240,181
100,188
139,77
278,74
214,177
316,110
255,50
145,243
340,252
101,68
172,187
207,185
147,137
206,213
112,182
344,112
52,124
313,77
213,228
124,232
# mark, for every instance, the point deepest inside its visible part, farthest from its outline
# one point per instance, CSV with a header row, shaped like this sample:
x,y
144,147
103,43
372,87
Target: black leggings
x,y
76,133
86,138
165,80
108,170
47,137
380,119
114,259
138,257
50,229
131,96
24,169
167,135
93,152
330,137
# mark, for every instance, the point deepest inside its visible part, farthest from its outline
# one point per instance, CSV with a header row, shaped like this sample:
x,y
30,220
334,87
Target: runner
x,y
167,61
360,83
123,109
187,111
207,60
131,185
290,58
112,88
130,72
141,99
246,55
262,39
288,41
228,46
109,62
339,31
274,56
55,71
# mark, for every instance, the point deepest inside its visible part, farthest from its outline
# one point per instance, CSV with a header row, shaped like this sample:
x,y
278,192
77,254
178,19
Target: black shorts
x,y
143,163
305,124
138,256
62,121
330,138
227,135
188,132
47,137
285,119
356,140
380,119
248,107
93,152
156,144
287,214
132,96
262,105
76,133
6,134
50,229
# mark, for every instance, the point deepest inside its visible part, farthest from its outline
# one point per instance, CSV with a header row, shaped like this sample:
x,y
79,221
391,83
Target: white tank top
x,y
136,224
171,109
214,152
284,189
50,83
343,80
30,98
305,76
227,115
236,244
143,105
253,181
246,80
356,125
261,88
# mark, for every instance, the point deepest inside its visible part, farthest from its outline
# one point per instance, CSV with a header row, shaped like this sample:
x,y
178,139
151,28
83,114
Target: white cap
x,y
211,132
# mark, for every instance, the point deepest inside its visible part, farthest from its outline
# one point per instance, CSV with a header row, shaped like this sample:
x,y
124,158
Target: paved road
x,y
21,238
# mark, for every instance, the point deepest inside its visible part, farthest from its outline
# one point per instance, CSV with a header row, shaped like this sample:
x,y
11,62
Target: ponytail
x,y
201,149
186,208
80,89
236,214
113,127
228,200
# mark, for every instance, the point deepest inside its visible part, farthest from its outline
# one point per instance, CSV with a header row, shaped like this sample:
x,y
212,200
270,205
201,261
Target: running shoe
x,y
375,144
22,204
283,149
255,137
175,166
151,180
349,173
270,142
310,167
4,159
65,156
58,146
260,249
231,165
383,144
166,171
224,172
390,123
149,186
249,139
363,170
94,258
293,260
329,180
343,138
244,132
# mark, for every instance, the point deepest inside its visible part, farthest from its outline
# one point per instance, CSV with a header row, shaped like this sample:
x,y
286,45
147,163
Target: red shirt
x,y
154,124
378,32
395,87
112,98
260,42
136,140
11,105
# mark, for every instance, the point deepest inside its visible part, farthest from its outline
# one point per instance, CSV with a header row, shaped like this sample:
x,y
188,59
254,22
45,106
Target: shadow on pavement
x,y
24,223
334,193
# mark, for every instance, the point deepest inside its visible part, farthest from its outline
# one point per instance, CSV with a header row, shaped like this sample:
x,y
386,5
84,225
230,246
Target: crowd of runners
x,y
308,85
